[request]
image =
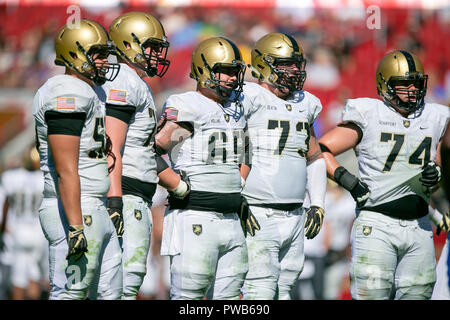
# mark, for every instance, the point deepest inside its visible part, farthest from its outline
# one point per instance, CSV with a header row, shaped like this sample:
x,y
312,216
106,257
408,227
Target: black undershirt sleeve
x,y
123,113
70,124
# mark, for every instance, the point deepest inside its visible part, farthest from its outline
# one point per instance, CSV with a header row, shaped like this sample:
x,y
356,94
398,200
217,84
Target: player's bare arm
x,y
438,159
64,149
337,141
245,170
314,152
168,136
116,130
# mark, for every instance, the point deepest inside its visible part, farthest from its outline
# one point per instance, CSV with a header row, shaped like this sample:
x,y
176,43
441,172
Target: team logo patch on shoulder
x,y
87,220
65,103
117,95
406,123
171,114
197,229
227,117
367,230
289,107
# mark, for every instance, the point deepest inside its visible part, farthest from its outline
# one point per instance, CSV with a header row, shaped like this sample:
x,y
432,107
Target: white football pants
x,y
138,224
275,254
212,255
391,258
99,270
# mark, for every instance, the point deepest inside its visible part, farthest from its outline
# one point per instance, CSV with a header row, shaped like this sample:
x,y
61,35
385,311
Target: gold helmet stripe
x,y
409,60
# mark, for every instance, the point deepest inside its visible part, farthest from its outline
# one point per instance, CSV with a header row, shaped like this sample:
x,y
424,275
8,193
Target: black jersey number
x,y
98,136
151,114
221,138
415,158
285,126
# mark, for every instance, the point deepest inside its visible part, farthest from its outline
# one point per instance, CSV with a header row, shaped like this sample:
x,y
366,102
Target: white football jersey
x,y
393,149
211,155
128,89
279,140
24,191
64,93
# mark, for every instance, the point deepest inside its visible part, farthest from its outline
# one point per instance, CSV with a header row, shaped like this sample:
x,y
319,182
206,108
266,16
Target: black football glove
x,y
77,242
358,189
115,206
313,221
431,174
444,225
248,220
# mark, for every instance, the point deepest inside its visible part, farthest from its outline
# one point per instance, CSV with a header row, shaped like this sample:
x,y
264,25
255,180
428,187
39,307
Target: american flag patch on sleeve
x,y
171,114
117,95
65,103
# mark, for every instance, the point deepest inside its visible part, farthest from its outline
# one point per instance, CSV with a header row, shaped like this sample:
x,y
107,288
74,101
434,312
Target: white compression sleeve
x,y
317,182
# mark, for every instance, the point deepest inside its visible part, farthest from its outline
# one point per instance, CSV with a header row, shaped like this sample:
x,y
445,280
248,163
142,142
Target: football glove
x,y
358,189
77,242
248,220
115,205
313,221
444,225
183,188
431,174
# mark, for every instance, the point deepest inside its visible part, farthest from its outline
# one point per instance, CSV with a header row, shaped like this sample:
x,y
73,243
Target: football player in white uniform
x,y
396,141
204,132
141,47
84,248
23,187
285,160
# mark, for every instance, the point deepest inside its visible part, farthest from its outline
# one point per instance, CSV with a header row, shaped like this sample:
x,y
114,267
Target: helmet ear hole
x,y
200,70
73,55
127,45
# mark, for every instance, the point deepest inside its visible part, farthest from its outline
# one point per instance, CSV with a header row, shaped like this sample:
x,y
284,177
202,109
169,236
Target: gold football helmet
x,y
76,47
218,55
271,53
401,68
132,33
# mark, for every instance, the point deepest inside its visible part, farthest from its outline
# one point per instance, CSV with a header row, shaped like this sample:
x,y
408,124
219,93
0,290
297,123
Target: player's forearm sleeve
x,y
316,183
